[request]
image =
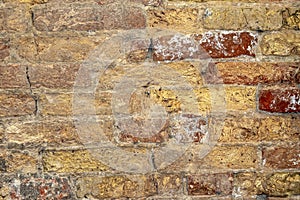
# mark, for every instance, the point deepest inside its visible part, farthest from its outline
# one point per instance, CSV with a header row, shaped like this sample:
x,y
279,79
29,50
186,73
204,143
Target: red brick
x,y
87,17
251,73
209,44
16,104
227,45
4,49
60,76
282,157
210,184
13,76
280,100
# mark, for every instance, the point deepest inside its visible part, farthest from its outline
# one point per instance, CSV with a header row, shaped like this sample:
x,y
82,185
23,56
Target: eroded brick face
x,y
278,100
203,95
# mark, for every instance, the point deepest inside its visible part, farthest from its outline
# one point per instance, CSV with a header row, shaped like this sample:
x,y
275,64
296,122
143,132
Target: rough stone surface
x,y
212,83
71,161
16,104
4,49
206,45
49,132
181,19
13,76
115,186
56,49
35,187
277,184
88,18
292,18
281,43
61,76
252,73
240,98
238,18
282,157
240,129
14,18
210,184
278,100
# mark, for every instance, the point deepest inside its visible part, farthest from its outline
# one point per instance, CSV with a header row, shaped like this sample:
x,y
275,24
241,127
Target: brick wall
x,y
239,59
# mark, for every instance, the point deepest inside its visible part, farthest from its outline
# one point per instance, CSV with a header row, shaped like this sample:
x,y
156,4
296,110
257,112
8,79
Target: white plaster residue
x,y
176,47
294,101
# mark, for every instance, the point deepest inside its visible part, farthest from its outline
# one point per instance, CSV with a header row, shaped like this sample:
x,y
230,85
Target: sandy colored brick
x,y
71,161
240,98
256,128
18,162
55,76
180,19
283,43
56,104
14,18
87,17
55,49
282,157
16,104
239,18
116,186
277,184
13,76
27,1
251,73
48,132
279,128
240,129
232,157
291,18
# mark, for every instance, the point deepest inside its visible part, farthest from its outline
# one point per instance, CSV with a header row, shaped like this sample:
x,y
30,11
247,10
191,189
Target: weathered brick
x,y
168,183
251,73
26,1
181,19
239,18
17,162
232,157
210,184
149,2
37,187
56,104
2,132
56,49
213,44
280,100
228,44
281,43
282,157
16,104
14,18
13,76
291,18
61,76
279,128
71,161
118,186
240,98
50,132
278,184
240,129
4,49
87,18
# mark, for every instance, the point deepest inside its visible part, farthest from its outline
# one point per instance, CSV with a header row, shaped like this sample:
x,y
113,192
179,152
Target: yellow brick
x,y
71,161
